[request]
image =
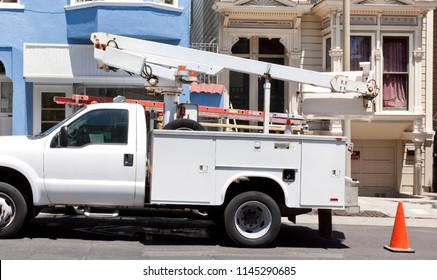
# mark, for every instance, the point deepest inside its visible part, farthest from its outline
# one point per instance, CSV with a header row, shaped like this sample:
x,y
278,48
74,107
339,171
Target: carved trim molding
x,y
336,53
295,55
260,24
326,23
232,35
263,3
382,2
419,55
398,20
378,54
363,20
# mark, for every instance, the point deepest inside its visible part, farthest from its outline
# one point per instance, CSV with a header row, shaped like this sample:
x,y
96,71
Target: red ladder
x,y
204,111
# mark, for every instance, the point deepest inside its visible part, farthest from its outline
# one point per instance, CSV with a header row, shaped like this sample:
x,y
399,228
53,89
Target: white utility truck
x,y
104,157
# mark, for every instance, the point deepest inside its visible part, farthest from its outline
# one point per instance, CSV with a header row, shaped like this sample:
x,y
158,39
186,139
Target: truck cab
x,y
95,157
98,157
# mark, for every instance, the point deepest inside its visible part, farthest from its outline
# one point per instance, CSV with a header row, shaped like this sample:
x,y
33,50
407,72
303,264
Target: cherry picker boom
x,y
152,60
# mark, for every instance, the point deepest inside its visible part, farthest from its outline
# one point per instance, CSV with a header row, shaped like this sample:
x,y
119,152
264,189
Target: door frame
x,y
37,92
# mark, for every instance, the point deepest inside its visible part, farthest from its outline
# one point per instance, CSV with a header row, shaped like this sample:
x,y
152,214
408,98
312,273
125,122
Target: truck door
x,y
98,165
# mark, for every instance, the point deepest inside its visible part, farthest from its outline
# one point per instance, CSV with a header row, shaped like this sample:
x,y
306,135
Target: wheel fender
x,y
225,186
35,180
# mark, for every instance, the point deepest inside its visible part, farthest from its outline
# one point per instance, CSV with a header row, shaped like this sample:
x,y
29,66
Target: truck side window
x,y
105,126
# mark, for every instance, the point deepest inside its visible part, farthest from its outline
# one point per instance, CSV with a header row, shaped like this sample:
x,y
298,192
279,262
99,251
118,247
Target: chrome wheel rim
x,y
7,212
253,219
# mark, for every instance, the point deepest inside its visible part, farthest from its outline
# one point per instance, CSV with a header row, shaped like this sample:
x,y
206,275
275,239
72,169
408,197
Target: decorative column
x,y
293,105
419,128
291,42
226,41
378,76
418,140
336,52
418,56
335,126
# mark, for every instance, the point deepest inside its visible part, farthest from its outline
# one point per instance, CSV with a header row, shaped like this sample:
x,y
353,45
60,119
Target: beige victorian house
x,y
393,153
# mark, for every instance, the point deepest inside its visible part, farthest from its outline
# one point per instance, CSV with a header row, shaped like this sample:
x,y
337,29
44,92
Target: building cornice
x,y
372,7
93,4
239,14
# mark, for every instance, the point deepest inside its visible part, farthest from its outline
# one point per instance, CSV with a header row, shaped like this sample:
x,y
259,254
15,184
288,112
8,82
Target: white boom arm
x,y
151,59
132,54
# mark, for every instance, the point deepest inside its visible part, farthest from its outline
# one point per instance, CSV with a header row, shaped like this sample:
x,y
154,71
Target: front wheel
x,y
13,210
252,219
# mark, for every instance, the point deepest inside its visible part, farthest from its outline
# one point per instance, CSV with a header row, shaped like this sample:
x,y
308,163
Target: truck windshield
x,y
56,126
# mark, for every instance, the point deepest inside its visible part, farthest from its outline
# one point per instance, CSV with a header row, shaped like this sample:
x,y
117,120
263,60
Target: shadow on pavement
x,y
163,230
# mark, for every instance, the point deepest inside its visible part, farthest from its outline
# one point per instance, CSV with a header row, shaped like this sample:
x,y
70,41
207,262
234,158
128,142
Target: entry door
x,y
98,167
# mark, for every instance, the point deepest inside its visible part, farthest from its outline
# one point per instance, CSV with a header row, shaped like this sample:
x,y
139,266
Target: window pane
x,y
239,90
360,51
395,54
273,46
328,57
6,97
395,77
99,127
241,47
51,112
395,91
2,69
276,92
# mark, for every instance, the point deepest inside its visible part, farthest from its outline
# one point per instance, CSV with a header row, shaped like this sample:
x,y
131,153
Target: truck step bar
x,y
100,214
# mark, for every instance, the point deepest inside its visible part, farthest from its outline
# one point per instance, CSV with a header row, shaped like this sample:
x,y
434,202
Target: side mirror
x,y
63,137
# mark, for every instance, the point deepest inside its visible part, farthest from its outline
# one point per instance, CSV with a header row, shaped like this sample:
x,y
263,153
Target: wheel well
x,y
18,181
259,184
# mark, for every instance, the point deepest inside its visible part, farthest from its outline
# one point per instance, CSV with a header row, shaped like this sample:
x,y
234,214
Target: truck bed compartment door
x,y
323,173
183,169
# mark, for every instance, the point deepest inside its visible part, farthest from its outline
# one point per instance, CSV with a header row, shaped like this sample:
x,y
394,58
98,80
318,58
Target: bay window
x,y
169,2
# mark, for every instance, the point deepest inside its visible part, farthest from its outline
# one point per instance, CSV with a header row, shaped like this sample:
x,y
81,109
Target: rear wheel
x,y
13,210
252,219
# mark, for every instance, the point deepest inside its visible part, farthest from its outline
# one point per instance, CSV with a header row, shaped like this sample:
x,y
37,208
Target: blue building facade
x,y
45,51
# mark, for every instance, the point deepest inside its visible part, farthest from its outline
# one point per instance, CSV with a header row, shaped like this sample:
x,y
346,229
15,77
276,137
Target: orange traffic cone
x,y
399,238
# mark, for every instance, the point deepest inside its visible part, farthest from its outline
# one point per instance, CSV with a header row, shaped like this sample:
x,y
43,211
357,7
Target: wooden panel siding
x,y
311,41
423,68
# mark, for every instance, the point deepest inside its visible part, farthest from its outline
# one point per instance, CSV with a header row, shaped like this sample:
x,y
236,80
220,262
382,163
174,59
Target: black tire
x,y
252,219
13,212
184,124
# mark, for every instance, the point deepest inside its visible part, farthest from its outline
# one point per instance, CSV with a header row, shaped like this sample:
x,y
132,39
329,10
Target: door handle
x,y
128,160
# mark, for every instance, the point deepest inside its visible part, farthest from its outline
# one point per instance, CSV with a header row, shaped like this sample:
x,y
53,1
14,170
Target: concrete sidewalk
x,y
419,211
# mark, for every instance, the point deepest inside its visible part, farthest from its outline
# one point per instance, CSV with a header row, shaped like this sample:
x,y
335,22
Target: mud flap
x,y
325,223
